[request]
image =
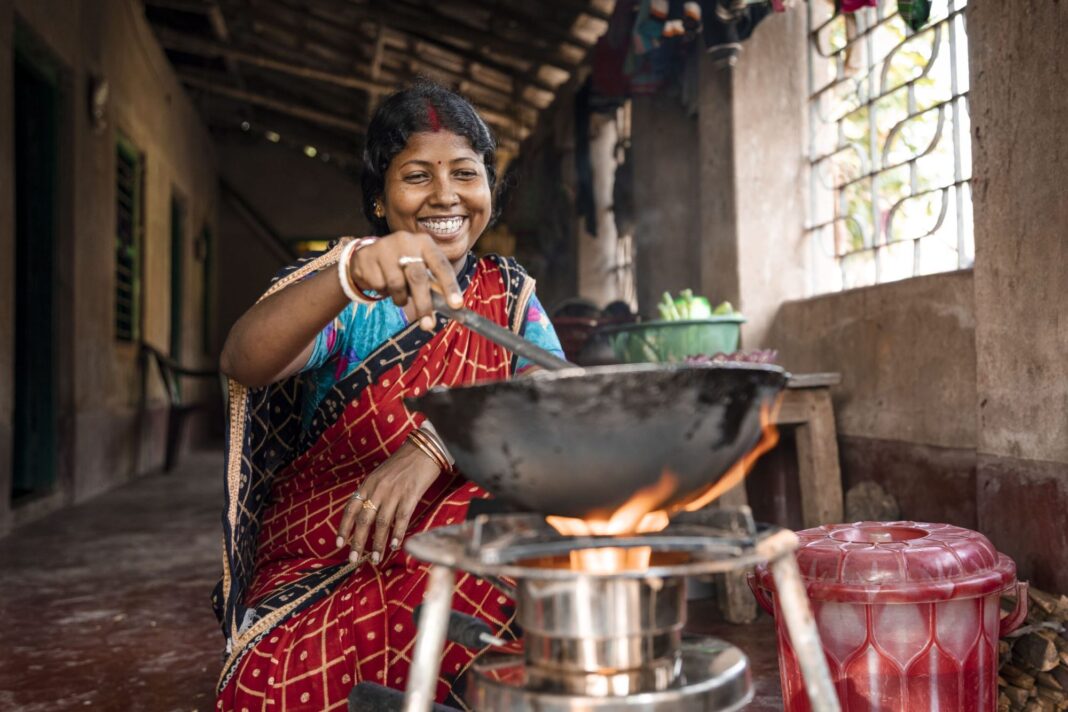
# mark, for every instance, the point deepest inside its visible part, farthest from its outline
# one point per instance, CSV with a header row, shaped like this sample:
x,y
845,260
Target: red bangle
x,y
360,244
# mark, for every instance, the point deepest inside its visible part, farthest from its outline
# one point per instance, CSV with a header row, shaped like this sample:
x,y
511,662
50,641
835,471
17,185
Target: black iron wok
x,y
581,441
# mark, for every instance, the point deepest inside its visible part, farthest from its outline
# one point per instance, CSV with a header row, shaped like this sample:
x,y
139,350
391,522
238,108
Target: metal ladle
x,y
499,335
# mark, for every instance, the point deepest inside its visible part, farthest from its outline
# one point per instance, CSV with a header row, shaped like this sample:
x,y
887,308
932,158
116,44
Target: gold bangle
x,y
429,448
430,451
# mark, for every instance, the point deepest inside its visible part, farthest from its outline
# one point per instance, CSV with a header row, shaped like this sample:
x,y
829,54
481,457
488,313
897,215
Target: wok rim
x,y
624,369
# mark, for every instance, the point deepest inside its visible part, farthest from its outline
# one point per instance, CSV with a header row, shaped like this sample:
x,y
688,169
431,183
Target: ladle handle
x,y
499,335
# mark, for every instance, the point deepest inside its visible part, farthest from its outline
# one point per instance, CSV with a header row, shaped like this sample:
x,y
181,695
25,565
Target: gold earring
x,y
380,212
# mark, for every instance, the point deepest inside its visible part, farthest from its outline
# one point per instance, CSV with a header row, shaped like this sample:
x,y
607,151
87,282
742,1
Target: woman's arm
x,y
275,337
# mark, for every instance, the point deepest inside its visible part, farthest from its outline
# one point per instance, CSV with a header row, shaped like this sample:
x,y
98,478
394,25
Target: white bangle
x,y
343,276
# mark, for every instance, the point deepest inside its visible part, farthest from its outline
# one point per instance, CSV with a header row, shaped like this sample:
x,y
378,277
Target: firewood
x,y
1016,677
1047,680
1053,606
1017,695
1055,696
1043,600
1036,652
1033,670
1049,634
1037,704
1060,674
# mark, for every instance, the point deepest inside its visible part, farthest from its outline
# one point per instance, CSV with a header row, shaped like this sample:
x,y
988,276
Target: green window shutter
x,y
129,237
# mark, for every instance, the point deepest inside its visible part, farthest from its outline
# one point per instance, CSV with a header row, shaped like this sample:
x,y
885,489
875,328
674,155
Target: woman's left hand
x,y
390,495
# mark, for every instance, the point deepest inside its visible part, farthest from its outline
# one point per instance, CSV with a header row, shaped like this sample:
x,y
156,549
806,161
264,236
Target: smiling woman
x,y
327,471
440,188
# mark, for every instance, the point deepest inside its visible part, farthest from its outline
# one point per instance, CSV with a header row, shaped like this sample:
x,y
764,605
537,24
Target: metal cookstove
x,y
602,617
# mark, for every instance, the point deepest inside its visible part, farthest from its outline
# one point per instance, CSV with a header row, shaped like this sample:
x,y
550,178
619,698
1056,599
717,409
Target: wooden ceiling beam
x,y
516,19
189,44
578,7
195,7
422,59
357,37
518,76
290,108
173,40
405,19
522,78
309,27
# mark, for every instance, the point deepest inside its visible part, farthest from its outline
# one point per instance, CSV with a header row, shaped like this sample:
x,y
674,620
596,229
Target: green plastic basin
x,y
672,341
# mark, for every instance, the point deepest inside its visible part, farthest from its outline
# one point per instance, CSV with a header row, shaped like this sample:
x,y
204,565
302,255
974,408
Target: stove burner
x,y
712,675
524,545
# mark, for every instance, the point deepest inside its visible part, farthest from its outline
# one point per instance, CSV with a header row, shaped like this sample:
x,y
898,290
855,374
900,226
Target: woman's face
x,y
438,185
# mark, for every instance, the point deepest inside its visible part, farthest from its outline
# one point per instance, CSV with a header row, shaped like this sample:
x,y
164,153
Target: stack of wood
x,y
1033,675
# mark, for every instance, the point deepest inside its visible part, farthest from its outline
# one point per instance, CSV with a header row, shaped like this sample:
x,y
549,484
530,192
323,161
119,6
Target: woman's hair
x,y
425,106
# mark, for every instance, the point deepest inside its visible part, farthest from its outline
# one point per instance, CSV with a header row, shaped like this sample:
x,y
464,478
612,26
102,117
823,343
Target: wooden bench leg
x,y
736,601
817,463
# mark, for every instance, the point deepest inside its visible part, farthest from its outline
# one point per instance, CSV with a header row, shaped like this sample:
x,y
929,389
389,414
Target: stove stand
x,y
608,638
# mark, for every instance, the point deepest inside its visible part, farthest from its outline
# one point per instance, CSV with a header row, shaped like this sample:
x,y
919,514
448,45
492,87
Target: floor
x,y
106,606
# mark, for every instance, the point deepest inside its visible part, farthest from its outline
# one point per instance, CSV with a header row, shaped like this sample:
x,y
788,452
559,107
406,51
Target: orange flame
x,y
769,413
638,515
645,513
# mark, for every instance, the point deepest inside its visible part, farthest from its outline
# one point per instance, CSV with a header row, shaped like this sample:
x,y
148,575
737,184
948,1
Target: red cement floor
x,y
106,606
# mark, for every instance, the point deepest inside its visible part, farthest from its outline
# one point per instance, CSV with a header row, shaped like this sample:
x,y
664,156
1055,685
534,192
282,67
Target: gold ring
x,y
406,260
370,505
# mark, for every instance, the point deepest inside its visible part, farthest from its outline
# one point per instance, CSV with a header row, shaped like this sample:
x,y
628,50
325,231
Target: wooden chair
x,y
178,411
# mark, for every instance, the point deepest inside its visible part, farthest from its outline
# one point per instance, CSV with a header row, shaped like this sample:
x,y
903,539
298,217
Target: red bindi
x,y
432,117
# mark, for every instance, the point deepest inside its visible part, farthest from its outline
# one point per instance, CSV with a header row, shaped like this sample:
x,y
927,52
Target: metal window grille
x,y
129,229
889,145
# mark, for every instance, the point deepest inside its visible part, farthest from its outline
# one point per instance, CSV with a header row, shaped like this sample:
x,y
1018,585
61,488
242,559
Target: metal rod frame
x,y
430,640
871,85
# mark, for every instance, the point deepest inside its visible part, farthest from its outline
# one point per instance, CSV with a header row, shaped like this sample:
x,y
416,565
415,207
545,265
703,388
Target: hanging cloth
x,y
727,24
609,85
915,13
854,5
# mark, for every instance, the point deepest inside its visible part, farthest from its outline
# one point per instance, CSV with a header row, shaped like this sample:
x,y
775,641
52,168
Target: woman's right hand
x,y
378,266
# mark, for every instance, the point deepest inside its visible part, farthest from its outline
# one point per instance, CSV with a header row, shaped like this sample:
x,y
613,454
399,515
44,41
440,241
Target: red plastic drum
x,y
909,614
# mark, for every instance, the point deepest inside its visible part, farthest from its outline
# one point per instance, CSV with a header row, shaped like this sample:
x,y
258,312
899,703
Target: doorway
x,y
36,134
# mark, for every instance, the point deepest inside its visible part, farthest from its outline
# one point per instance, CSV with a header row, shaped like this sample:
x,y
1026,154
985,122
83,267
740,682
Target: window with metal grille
x,y
129,232
889,144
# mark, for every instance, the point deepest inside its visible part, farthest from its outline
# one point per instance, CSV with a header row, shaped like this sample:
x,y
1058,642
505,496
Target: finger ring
x,y
370,505
407,260
358,497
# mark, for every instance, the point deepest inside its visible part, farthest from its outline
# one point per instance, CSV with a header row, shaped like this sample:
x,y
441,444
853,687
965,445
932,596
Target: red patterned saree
x,y
303,625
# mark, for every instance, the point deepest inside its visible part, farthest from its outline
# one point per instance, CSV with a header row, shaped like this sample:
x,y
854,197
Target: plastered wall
x,y
104,429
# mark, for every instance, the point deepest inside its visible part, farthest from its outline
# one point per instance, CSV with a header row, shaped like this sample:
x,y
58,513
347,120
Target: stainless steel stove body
x,y
602,617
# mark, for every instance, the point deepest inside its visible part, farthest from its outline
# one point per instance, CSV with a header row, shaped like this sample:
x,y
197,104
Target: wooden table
x,y
806,406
